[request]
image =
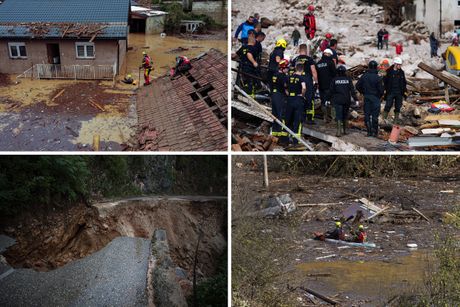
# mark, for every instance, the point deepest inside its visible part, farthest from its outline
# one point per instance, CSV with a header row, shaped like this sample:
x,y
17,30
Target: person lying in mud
x,y
182,65
128,79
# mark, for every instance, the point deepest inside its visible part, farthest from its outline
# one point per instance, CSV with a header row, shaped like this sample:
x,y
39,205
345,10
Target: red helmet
x,y
328,35
284,63
311,8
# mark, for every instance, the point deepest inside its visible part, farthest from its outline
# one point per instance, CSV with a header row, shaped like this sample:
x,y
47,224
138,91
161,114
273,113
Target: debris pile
x,y
147,139
414,27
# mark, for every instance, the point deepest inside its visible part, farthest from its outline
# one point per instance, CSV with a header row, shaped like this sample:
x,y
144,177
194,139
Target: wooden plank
x,y
433,98
421,214
443,116
319,205
57,96
443,76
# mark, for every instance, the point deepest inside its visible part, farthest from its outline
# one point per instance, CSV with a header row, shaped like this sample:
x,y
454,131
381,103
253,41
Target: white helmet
x,y
398,61
328,51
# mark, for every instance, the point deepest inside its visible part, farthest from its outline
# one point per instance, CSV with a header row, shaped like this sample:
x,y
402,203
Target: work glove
x,y
405,95
327,103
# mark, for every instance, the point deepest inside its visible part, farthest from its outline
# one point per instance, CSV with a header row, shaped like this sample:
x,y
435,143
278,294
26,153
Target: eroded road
x,y
114,276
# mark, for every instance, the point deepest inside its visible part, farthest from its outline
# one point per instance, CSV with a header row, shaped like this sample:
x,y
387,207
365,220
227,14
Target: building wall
x,y
217,10
155,24
122,49
429,12
105,51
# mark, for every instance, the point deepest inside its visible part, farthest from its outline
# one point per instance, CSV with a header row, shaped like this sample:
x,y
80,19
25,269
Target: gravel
x,y
113,276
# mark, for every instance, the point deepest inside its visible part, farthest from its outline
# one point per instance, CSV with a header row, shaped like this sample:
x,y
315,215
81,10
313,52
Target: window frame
x,y
85,48
17,45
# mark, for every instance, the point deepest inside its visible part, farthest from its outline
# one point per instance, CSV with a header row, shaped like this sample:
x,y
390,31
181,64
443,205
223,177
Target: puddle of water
x,y
372,278
159,51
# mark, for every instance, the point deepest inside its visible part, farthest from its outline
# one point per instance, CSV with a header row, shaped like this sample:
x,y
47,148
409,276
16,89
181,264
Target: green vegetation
x,y
177,14
38,182
213,291
363,166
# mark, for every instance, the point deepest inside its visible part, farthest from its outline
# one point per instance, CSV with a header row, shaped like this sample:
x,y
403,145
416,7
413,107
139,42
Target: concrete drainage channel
x,y
144,256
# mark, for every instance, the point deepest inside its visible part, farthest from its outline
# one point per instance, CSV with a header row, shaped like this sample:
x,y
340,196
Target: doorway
x,y
54,56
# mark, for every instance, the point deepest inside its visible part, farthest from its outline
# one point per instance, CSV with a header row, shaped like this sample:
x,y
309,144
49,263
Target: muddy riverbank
x,y
351,275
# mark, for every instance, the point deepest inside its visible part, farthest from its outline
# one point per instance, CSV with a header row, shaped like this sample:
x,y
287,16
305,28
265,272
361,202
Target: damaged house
x,y
81,39
189,112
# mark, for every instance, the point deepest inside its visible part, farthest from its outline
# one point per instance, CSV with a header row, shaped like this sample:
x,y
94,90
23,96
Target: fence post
x,y
94,69
75,71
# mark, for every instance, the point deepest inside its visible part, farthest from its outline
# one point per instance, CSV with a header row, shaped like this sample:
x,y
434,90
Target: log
x,y
320,296
430,98
319,205
96,105
443,76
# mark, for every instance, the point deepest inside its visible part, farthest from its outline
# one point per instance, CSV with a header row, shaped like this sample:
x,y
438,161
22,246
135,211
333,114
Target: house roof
x,y
190,112
19,18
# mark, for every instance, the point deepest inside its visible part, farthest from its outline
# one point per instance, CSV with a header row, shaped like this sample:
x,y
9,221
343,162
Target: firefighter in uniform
x,y
275,57
249,65
296,87
147,65
278,96
311,77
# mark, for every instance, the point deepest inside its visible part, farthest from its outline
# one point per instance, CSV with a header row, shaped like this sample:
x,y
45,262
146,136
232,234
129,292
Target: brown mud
x,y
48,241
368,276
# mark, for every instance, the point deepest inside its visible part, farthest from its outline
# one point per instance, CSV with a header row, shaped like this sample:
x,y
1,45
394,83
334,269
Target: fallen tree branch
x,y
320,296
421,214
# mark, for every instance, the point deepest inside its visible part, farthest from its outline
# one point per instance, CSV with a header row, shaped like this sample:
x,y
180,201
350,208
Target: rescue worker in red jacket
x,y
147,65
182,65
360,236
325,43
309,23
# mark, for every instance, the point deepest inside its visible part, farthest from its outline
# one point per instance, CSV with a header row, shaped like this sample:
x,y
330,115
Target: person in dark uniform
x,y
311,78
278,97
275,57
260,37
395,89
249,65
370,85
296,87
326,72
341,93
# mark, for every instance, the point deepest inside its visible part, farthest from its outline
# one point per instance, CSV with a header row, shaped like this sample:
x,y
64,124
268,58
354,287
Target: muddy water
x,y
374,279
159,50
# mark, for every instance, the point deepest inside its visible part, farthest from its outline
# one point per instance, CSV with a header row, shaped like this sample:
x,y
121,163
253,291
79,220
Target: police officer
x,y
395,89
326,72
370,85
296,89
341,93
311,78
278,96
249,64
275,57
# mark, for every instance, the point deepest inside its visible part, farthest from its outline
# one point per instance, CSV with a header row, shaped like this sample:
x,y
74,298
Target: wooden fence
x,y
76,72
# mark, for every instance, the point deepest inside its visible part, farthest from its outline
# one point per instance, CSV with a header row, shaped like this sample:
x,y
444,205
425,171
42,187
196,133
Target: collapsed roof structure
x,y
189,112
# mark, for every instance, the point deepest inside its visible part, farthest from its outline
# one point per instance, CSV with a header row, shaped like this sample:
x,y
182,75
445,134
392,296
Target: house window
x,y
17,50
85,50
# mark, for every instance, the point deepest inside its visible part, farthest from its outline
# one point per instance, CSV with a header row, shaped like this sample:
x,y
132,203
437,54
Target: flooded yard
x,y
40,115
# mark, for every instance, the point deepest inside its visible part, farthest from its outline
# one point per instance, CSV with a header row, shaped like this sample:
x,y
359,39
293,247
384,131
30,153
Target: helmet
x,y
341,70
328,51
398,61
281,43
311,8
284,63
144,53
373,64
338,224
328,35
385,62
361,227
129,76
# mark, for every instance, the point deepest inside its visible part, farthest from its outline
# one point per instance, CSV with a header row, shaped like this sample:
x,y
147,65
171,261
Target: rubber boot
x,y
344,127
339,129
369,128
396,119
